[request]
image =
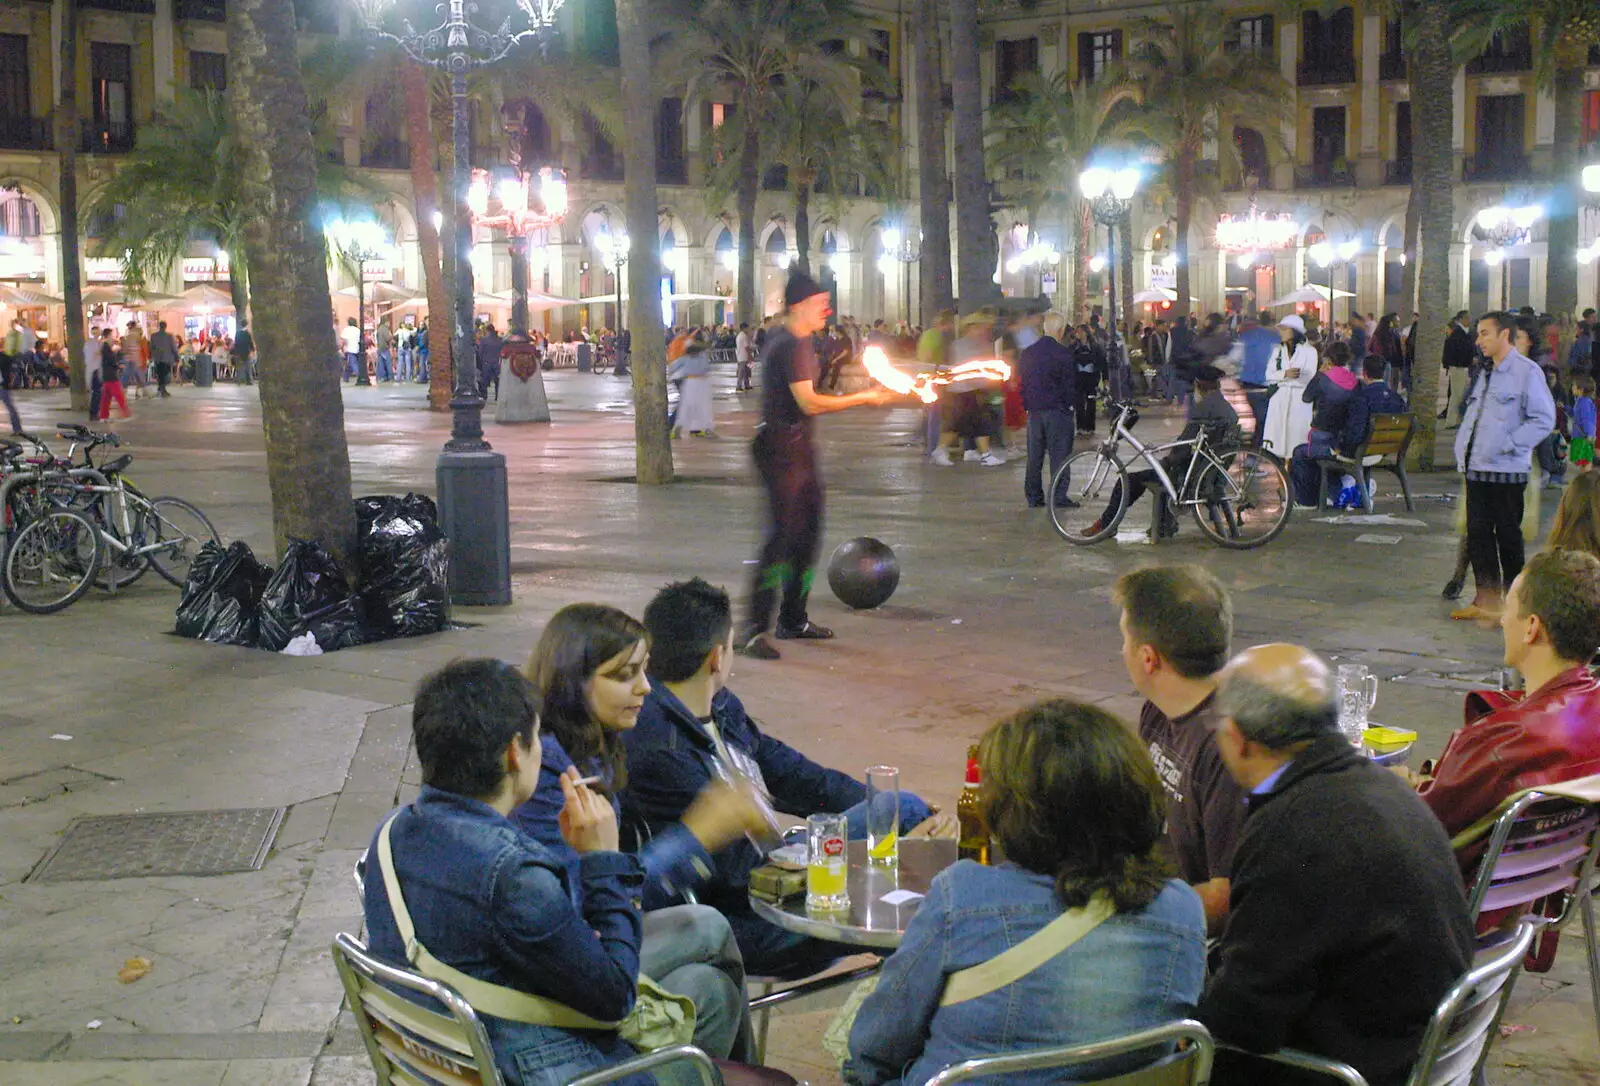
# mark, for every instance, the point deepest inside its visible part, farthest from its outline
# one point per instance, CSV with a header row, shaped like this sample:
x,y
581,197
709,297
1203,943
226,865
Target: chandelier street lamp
x,y
357,243
899,246
1039,254
474,510
1504,227
613,249
521,204
1110,196
1325,255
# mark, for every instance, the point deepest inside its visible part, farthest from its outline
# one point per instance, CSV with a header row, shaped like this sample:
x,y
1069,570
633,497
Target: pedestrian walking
x,y
693,369
787,462
111,379
350,341
1049,392
242,355
1509,410
163,358
385,339
741,355
6,363
489,347
132,349
1253,352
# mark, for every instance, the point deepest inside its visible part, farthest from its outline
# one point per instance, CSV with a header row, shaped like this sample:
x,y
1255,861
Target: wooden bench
x,y
1387,441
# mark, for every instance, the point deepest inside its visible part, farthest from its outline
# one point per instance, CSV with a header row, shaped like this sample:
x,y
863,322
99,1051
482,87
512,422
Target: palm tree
x,y
425,203
1046,136
1189,80
752,51
71,265
933,183
302,411
975,241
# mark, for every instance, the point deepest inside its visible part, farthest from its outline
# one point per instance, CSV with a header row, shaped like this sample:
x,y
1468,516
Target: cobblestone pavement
x,y
109,713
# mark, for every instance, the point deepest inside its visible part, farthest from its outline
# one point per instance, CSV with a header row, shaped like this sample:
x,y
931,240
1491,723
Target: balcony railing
x,y
1497,63
672,171
25,134
601,167
1325,71
1497,166
111,139
1391,66
388,153
1324,176
1397,172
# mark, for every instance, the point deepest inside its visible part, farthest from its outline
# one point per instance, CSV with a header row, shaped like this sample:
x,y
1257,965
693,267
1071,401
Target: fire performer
x,y
787,460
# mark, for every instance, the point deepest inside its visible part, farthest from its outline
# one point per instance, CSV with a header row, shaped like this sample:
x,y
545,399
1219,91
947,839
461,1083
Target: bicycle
x,y
1239,496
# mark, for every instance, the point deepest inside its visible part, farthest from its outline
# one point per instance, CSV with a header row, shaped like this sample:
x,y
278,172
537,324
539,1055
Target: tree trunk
x,y
441,321
239,286
1433,116
66,135
748,305
1408,273
974,230
652,447
1082,252
1125,259
425,202
1180,244
302,412
933,182
1561,270
802,225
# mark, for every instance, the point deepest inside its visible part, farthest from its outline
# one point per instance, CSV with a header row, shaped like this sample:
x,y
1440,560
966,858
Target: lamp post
x,y
1110,196
359,242
899,246
1326,255
613,249
1591,185
474,510
1038,254
1504,227
521,204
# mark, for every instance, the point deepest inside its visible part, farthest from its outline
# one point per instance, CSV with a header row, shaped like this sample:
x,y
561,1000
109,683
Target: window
x,y
1097,52
1509,50
601,162
1392,61
1255,168
878,48
1400,168
1500,153
381,145
208,71
16,108
111,87
211,11
1253,35
317,16
19,217
1328,48
525,124
1591,120
1328,162
775,178
1013,59
716,114
671,163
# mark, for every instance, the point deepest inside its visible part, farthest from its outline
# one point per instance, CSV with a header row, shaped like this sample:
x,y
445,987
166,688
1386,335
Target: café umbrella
x,y
1311,293
205,297
110,295
24,298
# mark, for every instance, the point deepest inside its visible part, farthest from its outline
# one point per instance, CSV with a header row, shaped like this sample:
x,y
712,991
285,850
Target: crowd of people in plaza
x,y
577,830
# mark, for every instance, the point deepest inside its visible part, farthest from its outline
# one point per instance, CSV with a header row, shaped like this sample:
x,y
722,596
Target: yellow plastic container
x,y
1383,739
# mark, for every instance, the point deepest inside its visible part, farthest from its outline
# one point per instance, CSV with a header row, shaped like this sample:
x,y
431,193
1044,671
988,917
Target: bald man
x,y
1347,922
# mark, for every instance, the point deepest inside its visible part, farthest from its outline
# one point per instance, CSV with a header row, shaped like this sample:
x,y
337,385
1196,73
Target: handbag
x,y
659,1018
1007,967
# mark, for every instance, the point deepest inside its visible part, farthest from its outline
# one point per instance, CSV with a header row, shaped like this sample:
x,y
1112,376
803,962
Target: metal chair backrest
x,y
1458,1038
1541,845
1188,1066
410,1042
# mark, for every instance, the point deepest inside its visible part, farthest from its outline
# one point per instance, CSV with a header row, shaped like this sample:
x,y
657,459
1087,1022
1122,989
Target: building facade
x,y
1339,171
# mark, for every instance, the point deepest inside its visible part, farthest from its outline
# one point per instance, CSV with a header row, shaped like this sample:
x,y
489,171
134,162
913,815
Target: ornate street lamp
x,y
1504,227
521,204
613,249
1110,196
358,242
1326,254
474,511
1039,254
899,247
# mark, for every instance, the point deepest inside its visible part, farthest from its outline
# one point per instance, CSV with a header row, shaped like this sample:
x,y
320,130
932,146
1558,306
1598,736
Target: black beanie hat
x,y
800,287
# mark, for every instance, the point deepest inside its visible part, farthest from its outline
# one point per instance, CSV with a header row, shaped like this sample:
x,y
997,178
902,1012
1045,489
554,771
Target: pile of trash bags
x,y
308,605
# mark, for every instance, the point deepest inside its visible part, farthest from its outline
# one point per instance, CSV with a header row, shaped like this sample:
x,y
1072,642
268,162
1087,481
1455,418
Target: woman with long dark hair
x,y
1114,945
589,669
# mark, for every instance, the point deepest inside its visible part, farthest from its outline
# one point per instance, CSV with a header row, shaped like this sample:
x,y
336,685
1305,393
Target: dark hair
x,y
1183,612
1069,791
576,641
1562,587
463,717
686,620
1339,354
1374,366
1296,337
1504,321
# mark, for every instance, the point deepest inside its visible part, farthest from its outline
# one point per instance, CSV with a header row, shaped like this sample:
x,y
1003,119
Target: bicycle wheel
x,y
51,562
1089,479
180,528
118,568
1246,502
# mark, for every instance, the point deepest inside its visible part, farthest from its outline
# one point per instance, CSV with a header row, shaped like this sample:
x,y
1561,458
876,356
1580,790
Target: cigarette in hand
x,y
589,781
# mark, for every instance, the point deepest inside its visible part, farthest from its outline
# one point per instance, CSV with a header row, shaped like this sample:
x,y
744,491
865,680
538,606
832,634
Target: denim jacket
x,y
1520,414
673,859
494,903
1134,971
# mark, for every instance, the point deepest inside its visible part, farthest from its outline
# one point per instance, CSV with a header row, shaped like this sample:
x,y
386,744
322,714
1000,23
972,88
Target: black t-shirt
x,y
1205,807
784,360
110,362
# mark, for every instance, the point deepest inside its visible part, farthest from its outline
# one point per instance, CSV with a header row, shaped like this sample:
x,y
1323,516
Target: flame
x,y
924,386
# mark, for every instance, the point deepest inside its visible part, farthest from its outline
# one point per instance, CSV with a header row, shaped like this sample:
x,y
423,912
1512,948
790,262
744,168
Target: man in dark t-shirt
x,y
788,465
1177,623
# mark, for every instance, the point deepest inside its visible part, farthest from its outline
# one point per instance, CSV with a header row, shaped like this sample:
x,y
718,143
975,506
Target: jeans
x,y
788,468
1258,399
11,409
351,362
1049,431
422,363
690,950
1494,533
1304,471
406,360
384,371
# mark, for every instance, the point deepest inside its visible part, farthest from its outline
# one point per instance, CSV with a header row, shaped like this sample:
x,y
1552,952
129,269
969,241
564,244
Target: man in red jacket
x,y
1551,624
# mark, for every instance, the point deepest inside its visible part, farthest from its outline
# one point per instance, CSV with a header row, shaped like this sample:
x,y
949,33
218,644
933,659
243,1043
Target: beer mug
x,y
827,870
1358,693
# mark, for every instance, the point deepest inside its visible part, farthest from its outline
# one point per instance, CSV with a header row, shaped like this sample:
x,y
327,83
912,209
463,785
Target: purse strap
x,y
482,995
1013,964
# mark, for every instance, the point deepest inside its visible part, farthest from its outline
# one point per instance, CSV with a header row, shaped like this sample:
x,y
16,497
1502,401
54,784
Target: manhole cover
x,y
142,845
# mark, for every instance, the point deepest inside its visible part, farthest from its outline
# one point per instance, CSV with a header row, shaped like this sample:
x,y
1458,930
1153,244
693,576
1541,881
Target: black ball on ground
x,y
863,572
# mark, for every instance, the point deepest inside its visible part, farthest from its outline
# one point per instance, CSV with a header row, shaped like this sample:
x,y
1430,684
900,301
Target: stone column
x,y
1288,58
1369,162
1460,282
1369,282
164,50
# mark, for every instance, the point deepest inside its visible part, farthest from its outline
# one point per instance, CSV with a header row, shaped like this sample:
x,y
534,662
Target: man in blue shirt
x,y
1049,390
1256,344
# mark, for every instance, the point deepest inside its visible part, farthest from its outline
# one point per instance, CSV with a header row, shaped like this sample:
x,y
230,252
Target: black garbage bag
x,y
310,594
405,565
222,595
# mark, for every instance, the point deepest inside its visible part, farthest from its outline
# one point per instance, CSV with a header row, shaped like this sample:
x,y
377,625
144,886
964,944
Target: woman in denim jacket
x,y
1073,802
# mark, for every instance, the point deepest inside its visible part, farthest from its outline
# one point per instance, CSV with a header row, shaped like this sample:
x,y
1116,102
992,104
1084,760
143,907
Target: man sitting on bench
x,y
1374,397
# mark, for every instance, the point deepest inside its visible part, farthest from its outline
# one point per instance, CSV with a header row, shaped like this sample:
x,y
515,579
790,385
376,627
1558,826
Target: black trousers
x,y
1494,533
1087,386
788,468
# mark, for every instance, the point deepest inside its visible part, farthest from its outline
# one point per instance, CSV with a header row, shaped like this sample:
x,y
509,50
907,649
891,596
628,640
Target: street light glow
x,y
1246,261
1097,263
1493,257
1591,178
730,259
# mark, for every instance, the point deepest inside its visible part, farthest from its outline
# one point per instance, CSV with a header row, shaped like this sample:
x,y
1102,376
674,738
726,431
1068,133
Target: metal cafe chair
x,y
1188,1065
1457,1040
410,1041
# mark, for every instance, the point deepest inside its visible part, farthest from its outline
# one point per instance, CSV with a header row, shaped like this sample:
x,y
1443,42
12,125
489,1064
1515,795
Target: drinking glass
x,y
827,886
883,815
1358,693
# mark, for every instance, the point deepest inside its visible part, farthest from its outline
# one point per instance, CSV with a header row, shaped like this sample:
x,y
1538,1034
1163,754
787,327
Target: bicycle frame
x,y
1149,453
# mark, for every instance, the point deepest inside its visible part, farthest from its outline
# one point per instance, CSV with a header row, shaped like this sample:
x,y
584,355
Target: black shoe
x,y
1067,503
1452,589
1036,505
755,645
809,632
1442,415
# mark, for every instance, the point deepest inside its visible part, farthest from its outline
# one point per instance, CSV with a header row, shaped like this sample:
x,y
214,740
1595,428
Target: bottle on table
x,y
973,840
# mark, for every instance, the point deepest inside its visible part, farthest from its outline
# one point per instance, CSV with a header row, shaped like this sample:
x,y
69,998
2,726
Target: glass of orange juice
x,y
827,887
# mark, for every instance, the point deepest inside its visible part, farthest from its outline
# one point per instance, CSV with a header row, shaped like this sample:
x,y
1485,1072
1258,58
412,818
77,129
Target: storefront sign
x,y
1163,277
204,268
378,271
102,269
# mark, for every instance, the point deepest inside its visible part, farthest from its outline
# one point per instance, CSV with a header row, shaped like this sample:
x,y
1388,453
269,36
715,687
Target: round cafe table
x,y
870,921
